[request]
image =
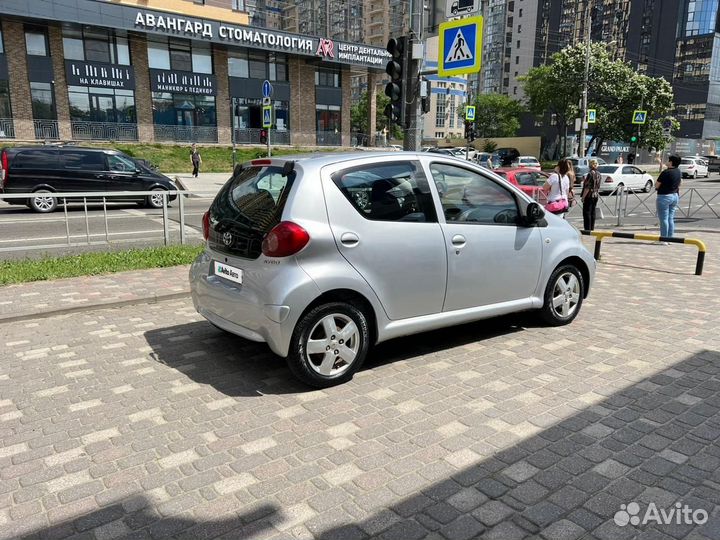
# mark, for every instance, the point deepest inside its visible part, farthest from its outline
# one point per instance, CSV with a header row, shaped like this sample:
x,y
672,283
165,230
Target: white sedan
x,y
693,167
527,162
628,176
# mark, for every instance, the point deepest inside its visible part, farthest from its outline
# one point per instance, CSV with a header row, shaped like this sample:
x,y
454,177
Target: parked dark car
x,y
58,169
713,163
504,157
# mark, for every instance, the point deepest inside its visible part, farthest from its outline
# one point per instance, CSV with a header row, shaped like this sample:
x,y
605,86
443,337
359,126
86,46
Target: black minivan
x,y
58,169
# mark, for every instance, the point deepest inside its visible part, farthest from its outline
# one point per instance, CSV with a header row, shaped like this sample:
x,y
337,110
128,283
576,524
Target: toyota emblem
x,y
227,238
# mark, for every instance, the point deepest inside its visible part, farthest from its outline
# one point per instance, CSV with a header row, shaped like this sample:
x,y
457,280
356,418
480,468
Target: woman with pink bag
x,y
556,189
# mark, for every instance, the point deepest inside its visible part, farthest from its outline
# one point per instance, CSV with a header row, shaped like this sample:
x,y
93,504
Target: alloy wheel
x,y
332,345
566,294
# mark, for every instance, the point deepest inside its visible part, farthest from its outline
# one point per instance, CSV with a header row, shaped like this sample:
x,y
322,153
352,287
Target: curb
x,y
154,299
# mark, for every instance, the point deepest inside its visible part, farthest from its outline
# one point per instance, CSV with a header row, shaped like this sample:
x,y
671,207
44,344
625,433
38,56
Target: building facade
x,y
171,70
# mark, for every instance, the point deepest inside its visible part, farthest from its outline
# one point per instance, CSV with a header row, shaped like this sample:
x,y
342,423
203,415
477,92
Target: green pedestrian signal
x,y
633,139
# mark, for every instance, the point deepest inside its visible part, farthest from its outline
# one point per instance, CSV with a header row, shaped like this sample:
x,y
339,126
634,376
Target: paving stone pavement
x,y
145,421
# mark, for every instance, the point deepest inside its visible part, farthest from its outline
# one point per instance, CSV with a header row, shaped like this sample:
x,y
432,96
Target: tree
x,y
615,90
359,115
497,115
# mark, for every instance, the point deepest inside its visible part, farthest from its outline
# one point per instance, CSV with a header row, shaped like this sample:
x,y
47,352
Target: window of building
x,y
439,135
183,109
327,77
36,43
93,104
238,5
517,60
519,30
257,65
43,101
5,109
278,67
440,110
96,46
179,55
2,47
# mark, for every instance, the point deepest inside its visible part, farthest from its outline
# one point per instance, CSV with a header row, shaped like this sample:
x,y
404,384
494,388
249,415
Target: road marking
x,y
127,233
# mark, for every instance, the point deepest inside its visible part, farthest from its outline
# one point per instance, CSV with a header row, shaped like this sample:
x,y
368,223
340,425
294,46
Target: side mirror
x,y
644,171
534,213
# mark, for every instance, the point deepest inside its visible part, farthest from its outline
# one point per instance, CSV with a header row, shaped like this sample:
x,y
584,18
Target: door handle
x,y
101,176
458,240
349,239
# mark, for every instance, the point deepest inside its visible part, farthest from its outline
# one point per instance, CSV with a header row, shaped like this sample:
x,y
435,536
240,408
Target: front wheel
x,y
563,296
40,202
329,344
695,175
156,199
648,186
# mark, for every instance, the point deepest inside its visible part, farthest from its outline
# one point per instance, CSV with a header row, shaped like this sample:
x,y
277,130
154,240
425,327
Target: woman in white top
x,y
557,187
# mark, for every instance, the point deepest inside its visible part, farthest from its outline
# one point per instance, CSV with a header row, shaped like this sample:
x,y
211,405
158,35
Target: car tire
x,y
43,204
156,199
695,175
563,296
648,186
619,188
332,362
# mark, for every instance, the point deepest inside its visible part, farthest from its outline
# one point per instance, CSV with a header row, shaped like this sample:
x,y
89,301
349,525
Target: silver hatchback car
x,y
323,256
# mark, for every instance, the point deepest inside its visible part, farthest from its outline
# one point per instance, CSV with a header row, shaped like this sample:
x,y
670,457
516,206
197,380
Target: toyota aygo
x,y
323,256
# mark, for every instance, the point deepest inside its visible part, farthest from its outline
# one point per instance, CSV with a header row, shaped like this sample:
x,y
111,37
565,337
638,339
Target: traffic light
x,y
469,130
396,67
263,136
425,95
633,138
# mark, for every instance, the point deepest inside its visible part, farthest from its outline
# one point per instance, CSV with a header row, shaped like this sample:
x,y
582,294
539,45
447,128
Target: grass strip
x,y
92,264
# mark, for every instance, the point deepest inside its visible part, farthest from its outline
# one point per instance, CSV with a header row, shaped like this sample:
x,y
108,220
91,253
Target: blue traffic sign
x,y
266,89
460,47
639,117
267,117
470,113
591,116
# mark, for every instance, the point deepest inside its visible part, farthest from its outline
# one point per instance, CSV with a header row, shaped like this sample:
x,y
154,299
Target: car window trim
x,y
503,183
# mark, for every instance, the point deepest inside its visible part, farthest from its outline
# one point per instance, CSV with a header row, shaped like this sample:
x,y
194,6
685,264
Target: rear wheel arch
x,y
351,297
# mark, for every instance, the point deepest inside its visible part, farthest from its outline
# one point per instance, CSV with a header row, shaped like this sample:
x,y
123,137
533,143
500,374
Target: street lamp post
x,y
583,119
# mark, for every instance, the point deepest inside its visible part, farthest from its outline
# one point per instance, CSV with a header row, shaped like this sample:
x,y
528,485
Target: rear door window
x,y
77,160
39,159
247,208
526,179
389,191
118,163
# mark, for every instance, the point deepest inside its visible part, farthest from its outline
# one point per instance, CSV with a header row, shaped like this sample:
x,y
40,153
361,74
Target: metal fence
x,y
46,129
207,134
7,128
329,138
167,225
104,131
252,136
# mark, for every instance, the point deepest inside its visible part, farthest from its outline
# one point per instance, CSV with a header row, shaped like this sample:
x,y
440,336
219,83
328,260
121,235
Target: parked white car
x,y
527,162
629,176
460,152
693,167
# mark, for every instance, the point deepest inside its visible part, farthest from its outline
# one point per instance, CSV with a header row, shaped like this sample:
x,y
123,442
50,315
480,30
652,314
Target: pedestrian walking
x,y
590,194
196,160
619,160
557,187
668,196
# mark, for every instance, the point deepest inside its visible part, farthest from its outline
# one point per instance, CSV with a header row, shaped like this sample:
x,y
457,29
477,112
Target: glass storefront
x,y
92,104
5,110
43,101
328,124
183,110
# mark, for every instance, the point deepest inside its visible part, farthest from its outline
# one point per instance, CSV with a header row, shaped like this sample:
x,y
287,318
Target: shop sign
x,y
269,40
182,82
80,73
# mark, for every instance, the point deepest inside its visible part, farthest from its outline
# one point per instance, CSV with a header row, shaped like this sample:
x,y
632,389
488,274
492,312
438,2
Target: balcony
x,y
7,128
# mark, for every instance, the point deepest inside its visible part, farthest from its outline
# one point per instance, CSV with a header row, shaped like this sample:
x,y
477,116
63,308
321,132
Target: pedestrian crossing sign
x,y
460,46
591,116
639,117
470,113
267,116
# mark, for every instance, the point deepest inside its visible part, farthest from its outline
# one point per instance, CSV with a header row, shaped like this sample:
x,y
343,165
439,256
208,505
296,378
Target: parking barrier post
x,y
107,235
67,221
87,220
181,211
166,230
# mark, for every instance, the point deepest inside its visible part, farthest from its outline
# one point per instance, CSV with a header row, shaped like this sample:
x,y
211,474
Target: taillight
x,y
608,180
4,166
286,238
206,225
691,167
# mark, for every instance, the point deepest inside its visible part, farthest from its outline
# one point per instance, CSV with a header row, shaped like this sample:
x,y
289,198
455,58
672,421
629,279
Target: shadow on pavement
x,y
655,441
238,367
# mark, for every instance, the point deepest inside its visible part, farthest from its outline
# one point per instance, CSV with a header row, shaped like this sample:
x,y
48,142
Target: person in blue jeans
x,y
668,196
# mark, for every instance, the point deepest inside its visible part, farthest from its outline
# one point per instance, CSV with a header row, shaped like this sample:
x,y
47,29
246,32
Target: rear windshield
x,y
686,161
607,168
246,208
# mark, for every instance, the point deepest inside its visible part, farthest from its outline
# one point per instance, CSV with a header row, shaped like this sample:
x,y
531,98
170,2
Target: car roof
x,y
61,147
528,157
330,158
516,169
